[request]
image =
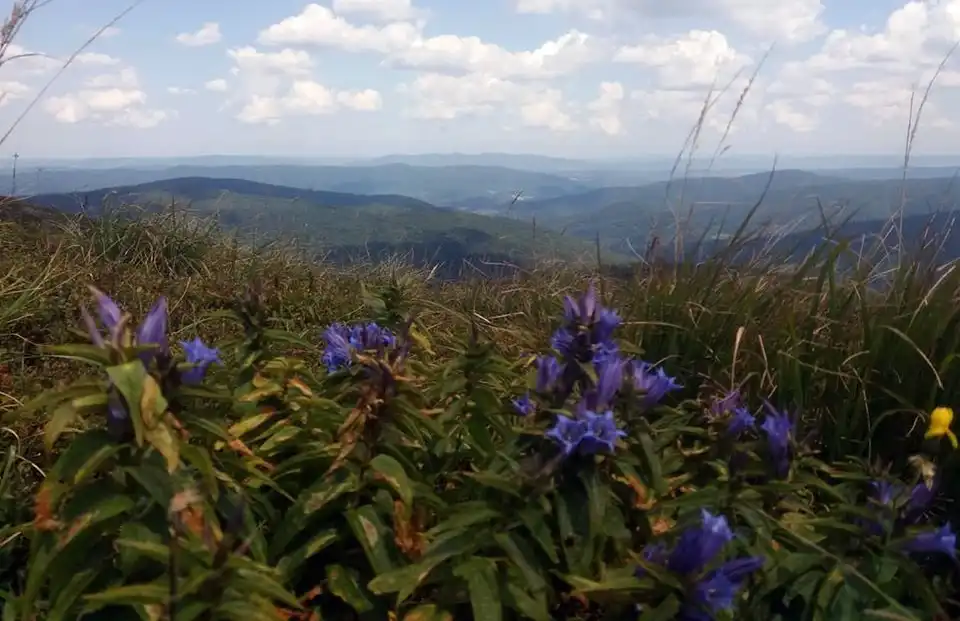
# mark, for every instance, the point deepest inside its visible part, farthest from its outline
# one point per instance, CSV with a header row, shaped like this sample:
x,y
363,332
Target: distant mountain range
x,y
342,227
492,211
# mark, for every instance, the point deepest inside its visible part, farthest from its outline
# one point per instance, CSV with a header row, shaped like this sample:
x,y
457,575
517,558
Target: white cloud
x,y
110,106
366,100
208,34
547,111
792,21
318,25
218,85
95,58
109,32
181,90
404,46
607,107
445,97
380,10
306,98
125,78
11,90
785,113
698,58
293,62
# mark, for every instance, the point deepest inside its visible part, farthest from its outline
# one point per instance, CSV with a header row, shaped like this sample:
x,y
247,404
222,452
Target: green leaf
x,y
129,378
523,558
390,470
480,575
343,583
374,536
652,460
67,597
666,611
130,594
293,561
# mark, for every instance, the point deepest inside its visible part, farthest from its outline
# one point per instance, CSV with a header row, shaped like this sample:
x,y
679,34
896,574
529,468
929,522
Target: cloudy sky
x,y
561,77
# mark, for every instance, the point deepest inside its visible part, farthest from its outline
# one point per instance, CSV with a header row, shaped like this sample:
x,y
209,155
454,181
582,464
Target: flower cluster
x,y
713,590
152,344
342,341
900,506
585,338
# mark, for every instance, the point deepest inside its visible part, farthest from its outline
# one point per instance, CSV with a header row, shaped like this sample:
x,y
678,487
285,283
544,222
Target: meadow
x,y
218,432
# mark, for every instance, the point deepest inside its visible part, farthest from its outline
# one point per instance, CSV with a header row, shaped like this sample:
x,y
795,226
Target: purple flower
x,y
718,588
921,497
698,546
587,330
726,404
779,430
652,381
200,357
342,340
153,331
590,432
549,371
653,553
602,433
740,421
567,432
119,425
524,406
885,492
941,540
609,380
714,590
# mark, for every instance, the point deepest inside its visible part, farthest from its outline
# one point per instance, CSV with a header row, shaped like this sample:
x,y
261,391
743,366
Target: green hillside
x,y
342,227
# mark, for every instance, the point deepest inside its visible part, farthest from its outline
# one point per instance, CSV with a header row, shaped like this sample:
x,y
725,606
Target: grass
x,y
864,355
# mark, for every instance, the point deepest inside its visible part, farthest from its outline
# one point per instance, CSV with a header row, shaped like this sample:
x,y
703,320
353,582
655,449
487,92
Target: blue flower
x,y
342,341
740,421
609,381
779,430
549,371
942,540
568,432
698,546
590,432
151,332
726,404
718,588
710,591
587,330
652,381
921,497
886,492
602,433
524,406
200,357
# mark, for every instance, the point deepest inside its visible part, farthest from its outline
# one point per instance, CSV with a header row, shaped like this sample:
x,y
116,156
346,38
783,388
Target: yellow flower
x,y
940,421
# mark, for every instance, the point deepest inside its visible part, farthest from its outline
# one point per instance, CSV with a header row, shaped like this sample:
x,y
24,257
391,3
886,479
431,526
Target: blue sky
x,y
587,78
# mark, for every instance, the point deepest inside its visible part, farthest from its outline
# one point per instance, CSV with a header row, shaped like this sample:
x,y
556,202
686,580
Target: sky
x,y
573,78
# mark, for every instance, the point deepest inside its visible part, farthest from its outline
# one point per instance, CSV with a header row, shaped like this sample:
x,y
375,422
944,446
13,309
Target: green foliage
x,y
396,483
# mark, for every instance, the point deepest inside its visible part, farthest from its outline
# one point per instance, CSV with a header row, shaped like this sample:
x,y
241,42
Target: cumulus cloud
x,y
444,97
694,59
607,107
403,45
306,98
208,34
110,99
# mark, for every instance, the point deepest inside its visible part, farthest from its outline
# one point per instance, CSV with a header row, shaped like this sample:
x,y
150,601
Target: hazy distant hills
x,y
341,226
420,204
459,187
